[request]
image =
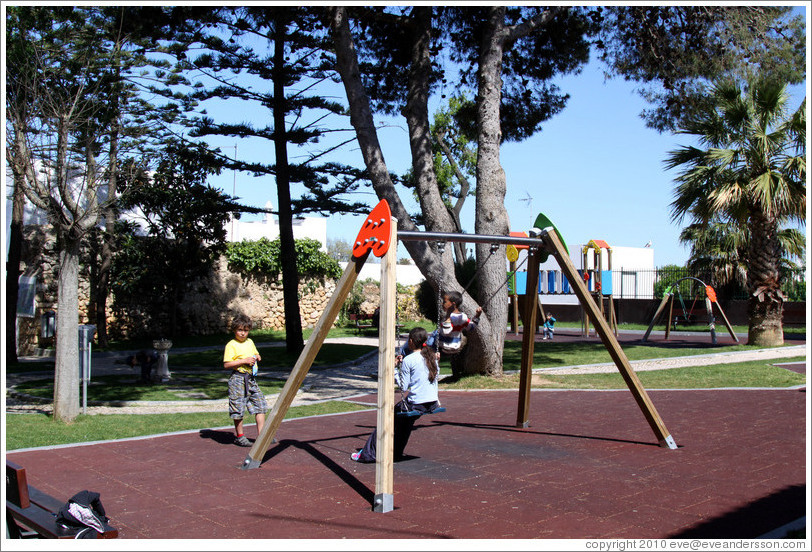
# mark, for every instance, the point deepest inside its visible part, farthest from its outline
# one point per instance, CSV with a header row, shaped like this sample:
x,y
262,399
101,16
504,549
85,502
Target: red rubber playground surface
x,y
587,467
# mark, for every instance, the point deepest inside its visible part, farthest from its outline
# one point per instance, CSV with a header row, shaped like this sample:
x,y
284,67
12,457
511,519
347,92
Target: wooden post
x,y
657,315
727,324
711,320
553,244
670,317
303,363
528,338
384,467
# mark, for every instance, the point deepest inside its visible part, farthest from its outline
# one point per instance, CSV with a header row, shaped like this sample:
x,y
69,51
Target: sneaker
x,y
242,441
356,456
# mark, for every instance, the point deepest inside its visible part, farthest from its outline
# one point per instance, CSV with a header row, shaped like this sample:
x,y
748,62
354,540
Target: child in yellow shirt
x,y
241,357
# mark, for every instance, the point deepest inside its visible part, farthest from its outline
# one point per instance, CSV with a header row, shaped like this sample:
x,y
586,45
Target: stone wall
x,y
208,307
210,304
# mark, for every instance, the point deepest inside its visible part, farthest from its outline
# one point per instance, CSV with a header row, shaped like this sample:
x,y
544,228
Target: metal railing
x,y
651,284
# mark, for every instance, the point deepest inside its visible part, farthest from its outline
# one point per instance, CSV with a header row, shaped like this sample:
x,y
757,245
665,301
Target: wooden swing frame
x,y
710,300
542,241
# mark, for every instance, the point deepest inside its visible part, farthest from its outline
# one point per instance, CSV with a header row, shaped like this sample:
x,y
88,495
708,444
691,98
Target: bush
x,y
262,256
667,276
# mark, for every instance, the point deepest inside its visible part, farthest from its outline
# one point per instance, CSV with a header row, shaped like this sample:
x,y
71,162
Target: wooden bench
x,y
31,513
362,321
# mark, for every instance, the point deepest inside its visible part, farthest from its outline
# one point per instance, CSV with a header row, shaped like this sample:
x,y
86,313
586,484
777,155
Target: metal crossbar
x,y
467,238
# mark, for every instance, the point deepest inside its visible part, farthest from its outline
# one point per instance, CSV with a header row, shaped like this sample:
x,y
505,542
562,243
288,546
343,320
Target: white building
x,y
303,227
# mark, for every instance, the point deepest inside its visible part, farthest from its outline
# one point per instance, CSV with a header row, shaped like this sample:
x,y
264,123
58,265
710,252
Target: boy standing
x,y
241,357
549,326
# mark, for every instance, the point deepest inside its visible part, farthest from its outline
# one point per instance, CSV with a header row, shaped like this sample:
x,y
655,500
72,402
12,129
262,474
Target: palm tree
x,y
720,249
749,172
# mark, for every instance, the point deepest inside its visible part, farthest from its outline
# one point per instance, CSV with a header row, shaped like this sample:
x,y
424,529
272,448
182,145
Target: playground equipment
x,y
512,254
517,287
599,282
377,234
688,316
554,281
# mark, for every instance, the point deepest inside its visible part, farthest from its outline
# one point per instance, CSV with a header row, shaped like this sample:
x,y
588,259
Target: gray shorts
x,y
241,396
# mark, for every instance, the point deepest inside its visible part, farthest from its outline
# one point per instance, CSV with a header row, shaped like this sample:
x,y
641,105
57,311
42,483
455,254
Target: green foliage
x,y
667,277
529,66
185,220
339,249
749,170
352,305
794,284
701,44
262,256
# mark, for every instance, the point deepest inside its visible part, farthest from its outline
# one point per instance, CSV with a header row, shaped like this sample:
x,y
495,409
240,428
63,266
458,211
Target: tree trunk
x,y
491,216
290,276
437,269
766,305
108,238
424,255
66,375
15,246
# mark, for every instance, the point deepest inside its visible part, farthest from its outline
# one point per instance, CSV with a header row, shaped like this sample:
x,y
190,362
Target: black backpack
x,y
84,513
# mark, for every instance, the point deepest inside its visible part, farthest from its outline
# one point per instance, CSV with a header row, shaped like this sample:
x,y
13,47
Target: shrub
x,y
262,256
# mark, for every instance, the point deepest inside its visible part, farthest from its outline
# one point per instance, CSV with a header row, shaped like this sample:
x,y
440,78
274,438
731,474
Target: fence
x,y
651,284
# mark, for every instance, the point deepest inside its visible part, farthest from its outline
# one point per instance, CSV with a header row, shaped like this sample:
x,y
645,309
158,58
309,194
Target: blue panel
x,y
521,283
606,282
551,281
565,284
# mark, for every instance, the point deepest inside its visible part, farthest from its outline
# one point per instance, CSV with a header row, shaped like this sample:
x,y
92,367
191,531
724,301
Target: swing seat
x,y
688,320
415,413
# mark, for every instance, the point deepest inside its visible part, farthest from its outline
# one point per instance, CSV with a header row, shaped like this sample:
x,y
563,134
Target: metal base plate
x,y
384,503
669,442
250,464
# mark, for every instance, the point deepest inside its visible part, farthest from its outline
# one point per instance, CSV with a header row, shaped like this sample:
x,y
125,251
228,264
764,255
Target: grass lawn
x,y
739,374
184,386
559,353
194,377
38,430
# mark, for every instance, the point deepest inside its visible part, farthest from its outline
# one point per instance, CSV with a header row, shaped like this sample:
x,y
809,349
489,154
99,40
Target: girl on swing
x,y
417,379
450,331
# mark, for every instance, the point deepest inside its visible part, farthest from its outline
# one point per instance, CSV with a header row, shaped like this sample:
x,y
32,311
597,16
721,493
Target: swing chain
x,y
439,318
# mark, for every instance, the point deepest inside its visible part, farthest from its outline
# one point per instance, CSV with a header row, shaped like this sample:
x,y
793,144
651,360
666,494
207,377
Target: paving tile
x,y
588,467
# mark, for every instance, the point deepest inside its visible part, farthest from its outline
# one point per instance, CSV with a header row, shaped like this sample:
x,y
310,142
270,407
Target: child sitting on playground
x,y
241,357
417,379
450,331
549,326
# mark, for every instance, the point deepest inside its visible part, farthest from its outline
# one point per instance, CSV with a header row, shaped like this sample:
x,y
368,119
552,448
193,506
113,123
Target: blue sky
x,y
595,170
